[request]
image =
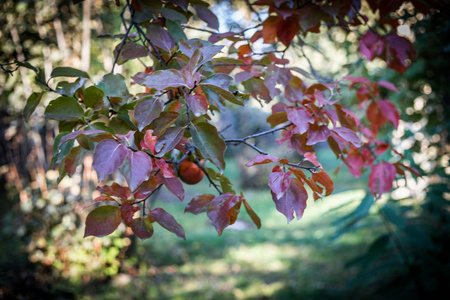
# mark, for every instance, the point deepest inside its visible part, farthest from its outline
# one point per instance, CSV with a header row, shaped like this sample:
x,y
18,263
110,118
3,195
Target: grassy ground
x,y
279,261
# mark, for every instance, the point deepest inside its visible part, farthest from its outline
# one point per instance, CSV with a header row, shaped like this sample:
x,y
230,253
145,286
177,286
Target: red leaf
x,y
127,211
269,31
389,111
325,181
74,159
294,200
102,221
149,141
381,178
218,212
311,183
287,29
146,188
108,157
262,159
167,221
142,228
375,117
199,204
115,190
279,182
166,169
103,198
137,169
317,134
348,135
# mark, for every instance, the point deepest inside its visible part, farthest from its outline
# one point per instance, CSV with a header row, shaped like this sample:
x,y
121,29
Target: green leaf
x,y
69,88
32,102
102,221
26,65
113,85
164,121
206,139
227,60
225,183
224,94
93,97
68,72
172,15
64,109
175,30
143,228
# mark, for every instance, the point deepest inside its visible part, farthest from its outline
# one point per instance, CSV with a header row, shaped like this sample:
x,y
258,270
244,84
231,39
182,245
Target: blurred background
x,y
345,245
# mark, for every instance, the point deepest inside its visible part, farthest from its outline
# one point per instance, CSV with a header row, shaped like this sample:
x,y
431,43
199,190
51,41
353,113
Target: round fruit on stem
x,y
189,172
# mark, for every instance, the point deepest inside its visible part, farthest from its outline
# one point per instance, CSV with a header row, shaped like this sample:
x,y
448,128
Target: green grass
x,y
279,261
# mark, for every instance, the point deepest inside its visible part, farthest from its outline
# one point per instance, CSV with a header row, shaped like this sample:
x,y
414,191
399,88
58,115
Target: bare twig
x,y
253,10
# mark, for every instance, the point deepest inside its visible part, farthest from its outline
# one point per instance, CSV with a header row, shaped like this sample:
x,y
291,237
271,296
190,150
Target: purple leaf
x,y
206,15
108,157
294,200
173,184
276,75
167,221
147,110
199,204
301,118
348,135
220,80
279,182
388,85
168,140
262,159
137,169
209,51
317,134
163,79
160,37
198,104
218,212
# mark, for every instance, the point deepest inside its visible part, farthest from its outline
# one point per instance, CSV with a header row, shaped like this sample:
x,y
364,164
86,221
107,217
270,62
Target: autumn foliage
x,y
147,137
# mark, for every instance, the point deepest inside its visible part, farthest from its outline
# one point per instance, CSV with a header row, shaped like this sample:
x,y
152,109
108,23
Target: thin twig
x,y
199,29
141,31
253,10
122,43
242,141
